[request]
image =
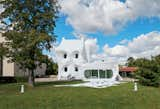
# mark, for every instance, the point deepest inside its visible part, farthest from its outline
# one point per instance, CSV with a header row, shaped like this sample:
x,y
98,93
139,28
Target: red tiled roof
x,y
127,69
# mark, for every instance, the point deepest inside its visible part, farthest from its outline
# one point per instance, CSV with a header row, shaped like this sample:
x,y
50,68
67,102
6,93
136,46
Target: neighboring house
x,y
127,71
12,69
75,61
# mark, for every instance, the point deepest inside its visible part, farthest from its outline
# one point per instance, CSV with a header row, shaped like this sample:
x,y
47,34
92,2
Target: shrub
x,y
7,80
148,71
13,79
21,79
148,77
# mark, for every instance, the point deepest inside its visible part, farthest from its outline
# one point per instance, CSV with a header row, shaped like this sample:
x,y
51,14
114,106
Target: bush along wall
x,y
13,79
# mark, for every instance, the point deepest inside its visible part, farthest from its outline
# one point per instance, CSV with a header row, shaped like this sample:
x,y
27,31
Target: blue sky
x,y
122,28
131,30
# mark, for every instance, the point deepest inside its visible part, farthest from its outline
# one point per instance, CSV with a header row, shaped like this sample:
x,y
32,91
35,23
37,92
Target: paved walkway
x,y
47,79
129,80
54,78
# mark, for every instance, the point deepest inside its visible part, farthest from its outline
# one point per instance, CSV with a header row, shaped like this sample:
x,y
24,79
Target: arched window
x,y
65,69
102,74
98,73
76,69
91,73
65,56
76,55
109,73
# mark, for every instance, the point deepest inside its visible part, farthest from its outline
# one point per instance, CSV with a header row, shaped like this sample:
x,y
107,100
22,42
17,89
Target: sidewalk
x,y
47,79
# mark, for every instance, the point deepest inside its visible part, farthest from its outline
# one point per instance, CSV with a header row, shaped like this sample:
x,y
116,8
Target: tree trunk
x,y
31,78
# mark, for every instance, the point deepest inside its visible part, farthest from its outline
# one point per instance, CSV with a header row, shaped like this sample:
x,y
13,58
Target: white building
x,y
74,58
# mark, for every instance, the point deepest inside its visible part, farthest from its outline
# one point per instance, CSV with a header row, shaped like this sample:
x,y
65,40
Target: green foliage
x,y
32,23
3,50
148,77
51,67
130,62
21,79
13,79
148,71
7,80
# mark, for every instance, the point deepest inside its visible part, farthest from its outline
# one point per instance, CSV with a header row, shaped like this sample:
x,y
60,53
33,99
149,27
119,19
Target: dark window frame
x,y
76,69
65,56
76,55
65,69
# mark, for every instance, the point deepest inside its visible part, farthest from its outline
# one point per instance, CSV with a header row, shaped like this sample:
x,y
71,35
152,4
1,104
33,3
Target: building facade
x,y
75,61
8,69
127,72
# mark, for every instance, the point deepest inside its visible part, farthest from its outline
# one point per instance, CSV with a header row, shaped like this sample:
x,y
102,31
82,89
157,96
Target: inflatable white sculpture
x,y
74,58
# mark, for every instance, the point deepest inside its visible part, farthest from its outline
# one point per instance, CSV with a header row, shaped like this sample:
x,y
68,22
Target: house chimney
x,y
87,48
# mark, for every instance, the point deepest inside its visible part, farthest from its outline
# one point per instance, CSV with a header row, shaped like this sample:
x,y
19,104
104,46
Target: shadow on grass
x,y
58,83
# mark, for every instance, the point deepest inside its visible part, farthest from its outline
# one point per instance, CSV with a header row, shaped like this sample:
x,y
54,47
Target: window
x,y
98,73
109,73
88,73
91,73
65,56
76,55
76,69
94,73
102,74
65,69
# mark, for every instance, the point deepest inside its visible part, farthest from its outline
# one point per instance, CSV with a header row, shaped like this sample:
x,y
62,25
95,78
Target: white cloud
x,y
125,41
145,45
1,9
91,45
118,50
79,35
148,8
107,16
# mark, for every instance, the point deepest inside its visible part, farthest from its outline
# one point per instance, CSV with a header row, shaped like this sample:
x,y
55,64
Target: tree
x,y
148,71
3,51
130,62
52,67
29,30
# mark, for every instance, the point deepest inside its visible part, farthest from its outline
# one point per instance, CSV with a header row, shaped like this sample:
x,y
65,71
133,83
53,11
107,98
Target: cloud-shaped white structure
x,y
75,61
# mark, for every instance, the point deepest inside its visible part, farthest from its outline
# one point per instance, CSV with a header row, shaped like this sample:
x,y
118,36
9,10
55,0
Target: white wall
x,y
70,62
8,68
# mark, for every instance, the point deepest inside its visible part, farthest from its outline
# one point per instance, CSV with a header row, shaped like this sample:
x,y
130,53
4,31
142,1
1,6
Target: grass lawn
x,y
45,96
